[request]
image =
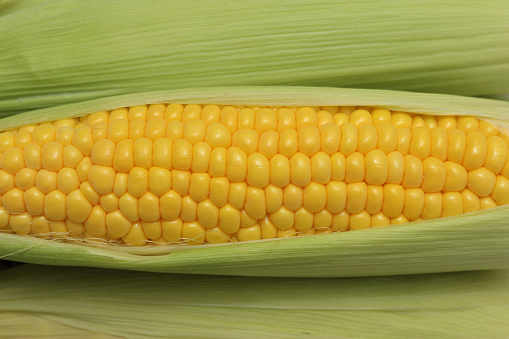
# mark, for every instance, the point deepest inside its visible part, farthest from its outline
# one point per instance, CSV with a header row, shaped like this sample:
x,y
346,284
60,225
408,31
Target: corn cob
x,y
187,168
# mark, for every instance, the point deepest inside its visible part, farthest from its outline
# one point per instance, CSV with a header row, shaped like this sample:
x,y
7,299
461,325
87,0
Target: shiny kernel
x,y
102,152
89,193
303,220
361,117
64,135
255,204
78,206
180,181
269,231
309,140
174,130
324,117
40,226
305,116
7,181
43,134
229,116
137,182
34,201
258,170
67,180
162,153
120,185
368,139
394,201
171,205
496,155
481,181
83,140
475,153
207,214
173,112
155,128
246,140
452,204
194,131
467,124
500,192
359,221
201,157
404,140
123,159
380,219
487,202
300,169
314,197
100,131
285,119
199,186
25,178
21,223
273,198
381,116
12,160
189,206
211,114
414,172
71,156
288,143
22,138
117,224
349,139
55,205
395,167
402,119
375,199
331,109
432,206
118,129
137,112
229,219
430,121
400,219
321,168
7,140
52,156
251,233
102,179
283,218
418,121
149,207
246,119
387,137
128,205
336,196
414,203
488,129
457,144
218,191
142,150
292,197
191,112
182,155
355,168
356,194
172,230
280,170
341,117
420,144
338,170
136,236
322,220
159,180
265,120
435,172
377,167
13,201
439,143
341,221
218,136
218,158
237,164
330,138
456,177
109,202
471,201
137,129
75,229
46,180
269,144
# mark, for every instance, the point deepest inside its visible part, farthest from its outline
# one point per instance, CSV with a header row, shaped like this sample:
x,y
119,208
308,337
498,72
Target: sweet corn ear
x,y
175,172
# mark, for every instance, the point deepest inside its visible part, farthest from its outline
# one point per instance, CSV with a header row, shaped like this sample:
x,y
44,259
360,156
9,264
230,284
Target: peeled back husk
x,y
43,301
472,241
57,52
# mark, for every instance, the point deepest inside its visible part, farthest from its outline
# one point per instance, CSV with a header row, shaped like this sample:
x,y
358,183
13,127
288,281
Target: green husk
x,y
57,51
473,241
149,305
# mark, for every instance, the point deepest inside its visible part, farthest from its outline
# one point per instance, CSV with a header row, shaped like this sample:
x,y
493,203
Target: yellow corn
x,y
172,173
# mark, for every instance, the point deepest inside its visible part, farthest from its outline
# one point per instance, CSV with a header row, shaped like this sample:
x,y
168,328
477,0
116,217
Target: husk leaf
x,y
143,305
58,51
473,241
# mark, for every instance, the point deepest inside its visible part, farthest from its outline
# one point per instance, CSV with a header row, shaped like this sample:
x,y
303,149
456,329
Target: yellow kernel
x,y
380,219
402,120
102,153
273,198
393,200
475,153
309,140
322,220
117,224
305,116
336,196
149,208
255,204
324,117
55,205
452,204
159,180
83,140
304,220
52,156
142,150
172,230
434,172
246,119
155,128
171,205
102,179
359,221
432,206
368,138
400,219
420,145
467,124
374,199
162,153
180,181
199,186
487,202
387,137
355,169
7,181
258,170
25,178
174,130
100,131
349,139
381,116
89,193
109,202
218,158
395,167
481,181
40,226
404,140
189,206
496,155
488,129
12,160
457,144
283,218
246,140
338,170
211,114
120,185
471,201
456,177
137,112
500,192
207,214
314,197
34,201
137,129
137,182
285,119
71,156
288,142
67,180
292,197
249,233
46,180
300,169
173,112
21,223
430,121
78,206
136,236
128,205
414,203
265,120
341,221
229,219
357,194
439,143
13,201
377,167
268,144
43,134
229,116
219,189
361,117
321,168
7,140
22,138
182,155
330,138
413,172
269,231
194,131
118,129
218,135
237,164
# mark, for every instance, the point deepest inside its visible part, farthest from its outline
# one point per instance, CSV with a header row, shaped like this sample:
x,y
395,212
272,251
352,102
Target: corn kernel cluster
x,y
212,174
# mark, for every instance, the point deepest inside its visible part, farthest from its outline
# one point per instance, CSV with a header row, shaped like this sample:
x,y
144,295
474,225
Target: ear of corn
x,y
457,241
148,305
58,52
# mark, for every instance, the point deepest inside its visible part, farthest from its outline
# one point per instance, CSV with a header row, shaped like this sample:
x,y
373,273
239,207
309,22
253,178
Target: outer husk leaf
x,y
60,51
474,241
148,305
